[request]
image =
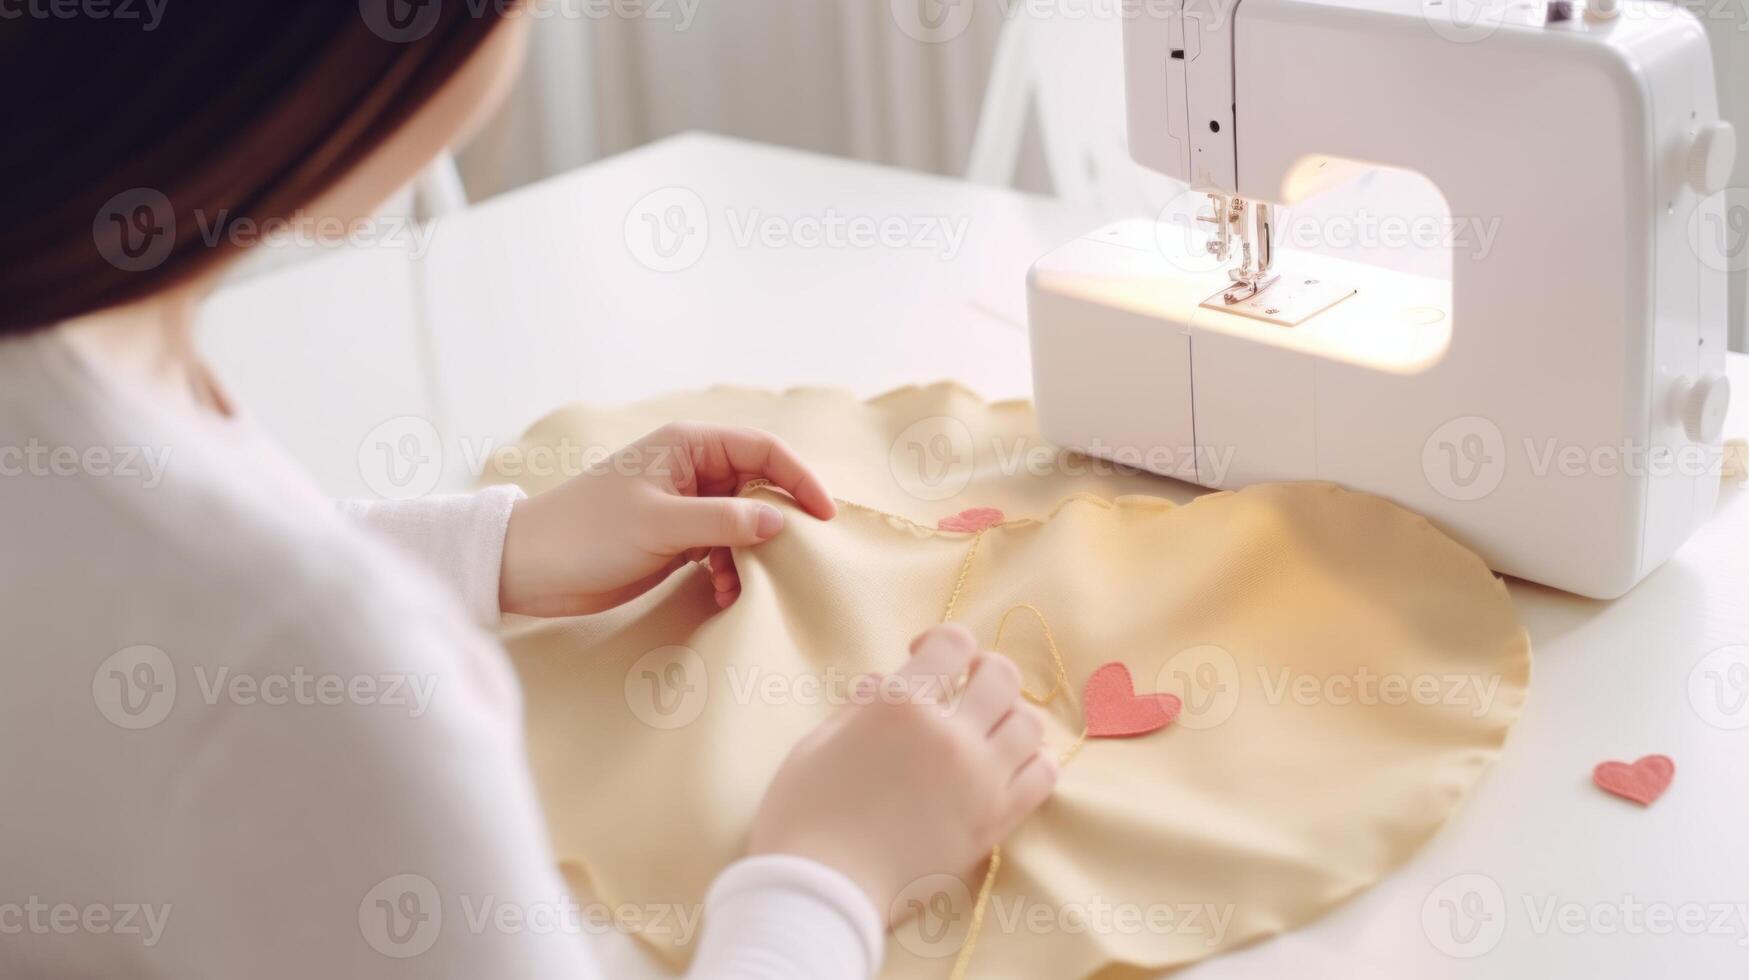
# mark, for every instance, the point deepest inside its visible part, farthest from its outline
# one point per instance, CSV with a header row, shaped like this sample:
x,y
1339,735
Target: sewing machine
x,y
1555,402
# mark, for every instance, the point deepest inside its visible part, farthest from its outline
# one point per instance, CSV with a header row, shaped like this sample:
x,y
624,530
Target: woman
x,y
208,772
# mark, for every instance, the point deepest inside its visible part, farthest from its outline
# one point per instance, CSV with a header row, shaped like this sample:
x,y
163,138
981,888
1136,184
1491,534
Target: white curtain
x,y
548,123
834,76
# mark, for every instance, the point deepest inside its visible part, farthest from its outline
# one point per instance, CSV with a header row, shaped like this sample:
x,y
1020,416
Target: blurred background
x,y
834,76
904,83
530,282
897,82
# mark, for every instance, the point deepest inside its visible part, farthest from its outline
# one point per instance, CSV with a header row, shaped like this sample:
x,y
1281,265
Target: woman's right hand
x,y
910,780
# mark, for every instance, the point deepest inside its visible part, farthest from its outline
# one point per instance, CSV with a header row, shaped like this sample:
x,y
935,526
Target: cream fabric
x,y
924,453
1347,672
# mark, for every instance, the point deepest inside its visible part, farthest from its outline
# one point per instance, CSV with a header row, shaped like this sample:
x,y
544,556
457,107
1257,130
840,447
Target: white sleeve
x,y
388,826
457,537
777,917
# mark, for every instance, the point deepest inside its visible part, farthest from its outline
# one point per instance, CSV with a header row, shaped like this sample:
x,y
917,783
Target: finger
x,y
724,577
1017,737
756,455
716,522
940,657
991,691
587,605
1031,786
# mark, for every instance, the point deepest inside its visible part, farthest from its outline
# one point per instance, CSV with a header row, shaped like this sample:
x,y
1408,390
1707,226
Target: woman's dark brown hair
x,y
134,128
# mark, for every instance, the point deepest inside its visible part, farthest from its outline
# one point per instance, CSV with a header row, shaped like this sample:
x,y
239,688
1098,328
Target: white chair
x,y
1067,74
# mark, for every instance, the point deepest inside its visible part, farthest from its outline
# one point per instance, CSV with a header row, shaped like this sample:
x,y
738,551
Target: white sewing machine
x,y
1555,402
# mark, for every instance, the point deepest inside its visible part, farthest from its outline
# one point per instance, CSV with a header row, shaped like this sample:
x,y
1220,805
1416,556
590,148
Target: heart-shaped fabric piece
x,y
1643,781
1114,710
971,520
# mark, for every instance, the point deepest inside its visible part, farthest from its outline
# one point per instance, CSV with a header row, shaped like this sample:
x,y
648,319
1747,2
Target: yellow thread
x,y
960,583
1069,753
1059,684
963,961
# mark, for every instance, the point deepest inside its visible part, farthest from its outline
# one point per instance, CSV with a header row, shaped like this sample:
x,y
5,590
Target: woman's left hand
x,y
614,533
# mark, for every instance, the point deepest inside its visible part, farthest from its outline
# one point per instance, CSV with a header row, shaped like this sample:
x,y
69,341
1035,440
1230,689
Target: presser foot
x,y
1244,289
1282,300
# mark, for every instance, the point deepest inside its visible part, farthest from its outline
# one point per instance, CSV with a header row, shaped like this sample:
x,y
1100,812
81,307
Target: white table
x,y
540,297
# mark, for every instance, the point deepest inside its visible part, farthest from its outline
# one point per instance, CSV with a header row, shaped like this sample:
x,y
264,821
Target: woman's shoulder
x,y
214,605
162,529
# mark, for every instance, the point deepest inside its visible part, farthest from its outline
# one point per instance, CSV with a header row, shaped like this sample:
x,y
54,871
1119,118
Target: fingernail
x,y
770,522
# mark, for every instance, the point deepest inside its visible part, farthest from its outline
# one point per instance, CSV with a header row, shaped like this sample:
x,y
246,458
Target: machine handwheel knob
x,y
1711,157
1704,408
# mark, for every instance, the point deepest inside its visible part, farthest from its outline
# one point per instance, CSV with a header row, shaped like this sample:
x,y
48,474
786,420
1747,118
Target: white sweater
x,y
241,737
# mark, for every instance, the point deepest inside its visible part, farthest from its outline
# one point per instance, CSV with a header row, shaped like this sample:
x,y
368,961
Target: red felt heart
x,y
1642,782
1115,710
971,520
